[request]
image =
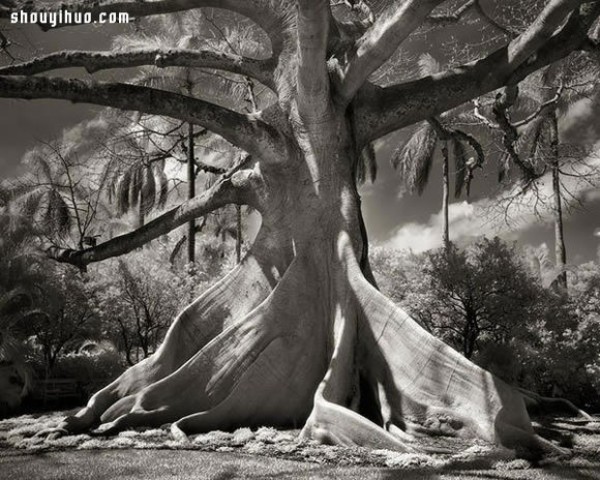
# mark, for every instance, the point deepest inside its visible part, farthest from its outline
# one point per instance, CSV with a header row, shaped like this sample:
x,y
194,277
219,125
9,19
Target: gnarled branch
x,y
261,70
244,131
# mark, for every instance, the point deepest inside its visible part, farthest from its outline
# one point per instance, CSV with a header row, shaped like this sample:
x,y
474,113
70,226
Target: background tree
x,y
415,158
530,333
138,298
23,284
297,333
484,294
60,192
529,118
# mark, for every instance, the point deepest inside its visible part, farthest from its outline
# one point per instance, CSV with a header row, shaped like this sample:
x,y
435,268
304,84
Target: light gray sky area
x,y
392,218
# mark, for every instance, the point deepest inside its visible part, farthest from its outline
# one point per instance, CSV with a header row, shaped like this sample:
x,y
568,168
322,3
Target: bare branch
x,y
501,28
96,61
245,131
382,110
380,41
235,187
543,108
504,101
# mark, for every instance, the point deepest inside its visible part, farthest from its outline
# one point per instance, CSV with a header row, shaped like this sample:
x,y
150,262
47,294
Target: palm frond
x,y
57,216
460,165
415,158
534,142
135,186
39,165
148,190
123,192
163,188
30,202
366,165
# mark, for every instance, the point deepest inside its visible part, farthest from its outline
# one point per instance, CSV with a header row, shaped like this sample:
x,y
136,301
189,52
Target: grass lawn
x,y
267,453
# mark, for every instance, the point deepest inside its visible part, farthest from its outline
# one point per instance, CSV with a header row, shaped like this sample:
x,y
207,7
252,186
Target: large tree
x,y
298,333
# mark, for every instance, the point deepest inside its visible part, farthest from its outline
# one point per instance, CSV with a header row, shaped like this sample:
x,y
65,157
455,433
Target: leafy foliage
x,y
139,297
490,302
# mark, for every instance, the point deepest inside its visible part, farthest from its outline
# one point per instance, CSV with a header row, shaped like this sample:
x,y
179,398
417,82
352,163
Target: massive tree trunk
x,y
297,333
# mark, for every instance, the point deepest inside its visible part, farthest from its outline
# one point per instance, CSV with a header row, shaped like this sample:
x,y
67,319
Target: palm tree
x,y
182,31
57,193
141,185
542,137
536,144
415,158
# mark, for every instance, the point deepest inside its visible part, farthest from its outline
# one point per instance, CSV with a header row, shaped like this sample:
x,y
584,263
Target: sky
x,y
393,218
398,219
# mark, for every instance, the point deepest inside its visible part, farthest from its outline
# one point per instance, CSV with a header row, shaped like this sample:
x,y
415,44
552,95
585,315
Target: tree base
x,y
354,369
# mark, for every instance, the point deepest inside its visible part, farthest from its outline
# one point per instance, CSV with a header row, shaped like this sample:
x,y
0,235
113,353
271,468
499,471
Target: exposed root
x,y
214,311
260,370
330,421
424,378
548,405
354,367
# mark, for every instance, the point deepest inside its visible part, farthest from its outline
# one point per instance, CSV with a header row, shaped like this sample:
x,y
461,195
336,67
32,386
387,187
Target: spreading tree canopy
x,y
297,333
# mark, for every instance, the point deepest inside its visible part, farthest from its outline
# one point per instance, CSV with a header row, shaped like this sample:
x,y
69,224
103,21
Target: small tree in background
x,y
468,297
139,297
488,302
483,292
69,320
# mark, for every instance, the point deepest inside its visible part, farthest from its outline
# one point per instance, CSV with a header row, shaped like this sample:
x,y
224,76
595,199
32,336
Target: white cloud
x,y
420,237
500,215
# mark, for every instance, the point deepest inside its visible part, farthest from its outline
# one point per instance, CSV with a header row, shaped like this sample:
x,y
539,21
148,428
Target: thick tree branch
x,y
380,41
382,110
93,62
454,17
236,187
313,79
540,31
244,131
